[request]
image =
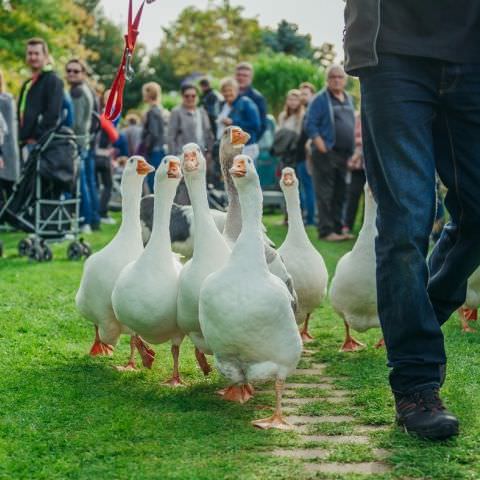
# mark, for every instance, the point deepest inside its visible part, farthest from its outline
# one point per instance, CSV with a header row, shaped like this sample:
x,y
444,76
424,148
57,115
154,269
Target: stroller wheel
x,y
36,253
47,254
87,249
24,247
75,251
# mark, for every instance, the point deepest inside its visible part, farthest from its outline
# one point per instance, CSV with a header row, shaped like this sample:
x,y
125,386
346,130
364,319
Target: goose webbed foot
x,y
350,344
202,362
146,353
380,343
99,348
237,393
175,381
276,420
131,365
304,333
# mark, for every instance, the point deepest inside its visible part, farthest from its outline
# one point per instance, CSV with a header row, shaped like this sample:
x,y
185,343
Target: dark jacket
x,y
153,133
211,103
43,106
362,25
285,146
244,114
261,104
320,119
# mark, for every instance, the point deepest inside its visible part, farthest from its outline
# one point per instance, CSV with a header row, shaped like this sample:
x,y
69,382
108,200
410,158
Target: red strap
x,y
113,108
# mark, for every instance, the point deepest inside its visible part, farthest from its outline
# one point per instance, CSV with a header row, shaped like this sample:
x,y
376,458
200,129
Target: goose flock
x,y
237,298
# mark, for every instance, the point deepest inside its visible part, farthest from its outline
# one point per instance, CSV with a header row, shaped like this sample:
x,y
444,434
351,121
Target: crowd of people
x,y
315,133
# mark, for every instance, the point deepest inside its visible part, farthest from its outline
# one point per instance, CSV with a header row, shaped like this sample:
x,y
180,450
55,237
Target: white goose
x,y
145,295
303,261
469,311
210,252
353,292
231,144
101,270
245,311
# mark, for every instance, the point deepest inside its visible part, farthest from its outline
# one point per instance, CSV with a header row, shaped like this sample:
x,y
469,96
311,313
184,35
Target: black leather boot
x,y
423,414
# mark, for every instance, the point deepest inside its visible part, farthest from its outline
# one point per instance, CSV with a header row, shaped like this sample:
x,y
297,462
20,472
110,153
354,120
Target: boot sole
x,y
442,432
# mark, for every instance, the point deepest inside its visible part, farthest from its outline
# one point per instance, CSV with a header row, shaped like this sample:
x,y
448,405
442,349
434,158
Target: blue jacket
x,y
261,104
244,114
319,118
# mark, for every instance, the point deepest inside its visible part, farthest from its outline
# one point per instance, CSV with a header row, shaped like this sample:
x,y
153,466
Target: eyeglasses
x,y
71,70
336,77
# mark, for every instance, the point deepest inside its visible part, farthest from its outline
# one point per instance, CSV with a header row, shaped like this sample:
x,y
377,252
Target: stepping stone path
x,y
316,458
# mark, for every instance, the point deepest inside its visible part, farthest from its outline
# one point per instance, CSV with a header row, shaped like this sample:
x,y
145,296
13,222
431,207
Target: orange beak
x,y
174,169
144,168
288,179
239,137
190,161
239,168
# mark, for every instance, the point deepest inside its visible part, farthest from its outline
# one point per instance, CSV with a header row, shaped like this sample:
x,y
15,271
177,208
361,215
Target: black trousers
x,y
354,192
329,171
105,178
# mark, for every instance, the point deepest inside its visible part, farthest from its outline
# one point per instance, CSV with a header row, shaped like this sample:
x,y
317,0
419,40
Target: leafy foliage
x,y
211,40
276,74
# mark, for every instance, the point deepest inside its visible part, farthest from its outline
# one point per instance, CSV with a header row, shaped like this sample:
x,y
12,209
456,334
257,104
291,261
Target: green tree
x,y
276,74
211,40
286,39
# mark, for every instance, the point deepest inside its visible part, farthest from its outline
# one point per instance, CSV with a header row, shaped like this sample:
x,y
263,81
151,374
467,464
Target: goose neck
x,y
296,228
131,196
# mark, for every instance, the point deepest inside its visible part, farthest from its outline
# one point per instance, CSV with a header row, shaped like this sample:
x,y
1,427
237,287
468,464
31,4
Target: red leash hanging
x,y
113,108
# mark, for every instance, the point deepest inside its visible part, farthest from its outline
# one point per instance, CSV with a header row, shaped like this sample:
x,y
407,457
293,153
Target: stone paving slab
x,y
338,439
339,393
302,453
324,386
365,468
305,419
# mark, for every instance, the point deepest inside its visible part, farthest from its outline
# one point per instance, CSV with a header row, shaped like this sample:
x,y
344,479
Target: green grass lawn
x,y
66,415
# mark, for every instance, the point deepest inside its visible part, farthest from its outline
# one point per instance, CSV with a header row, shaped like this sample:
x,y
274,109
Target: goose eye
x,y
131,160
249,161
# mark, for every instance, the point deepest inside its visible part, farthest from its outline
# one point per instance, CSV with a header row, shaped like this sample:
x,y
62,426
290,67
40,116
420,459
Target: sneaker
x,y
108,221
333,237
86,229
423,414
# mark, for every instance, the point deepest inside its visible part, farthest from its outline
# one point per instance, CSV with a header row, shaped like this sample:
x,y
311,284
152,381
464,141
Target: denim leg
x,y
307,192
154,160
85,206
399,103
92,187
457,148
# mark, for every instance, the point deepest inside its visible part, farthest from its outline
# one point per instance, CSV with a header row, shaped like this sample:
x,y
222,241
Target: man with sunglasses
x,y
83,105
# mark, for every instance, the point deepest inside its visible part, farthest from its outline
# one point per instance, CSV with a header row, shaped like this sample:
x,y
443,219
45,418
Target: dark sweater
x,y
43,106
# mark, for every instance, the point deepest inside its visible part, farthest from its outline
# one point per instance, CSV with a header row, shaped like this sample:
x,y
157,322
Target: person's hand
x,y
227,121
2,164
320,144
31,141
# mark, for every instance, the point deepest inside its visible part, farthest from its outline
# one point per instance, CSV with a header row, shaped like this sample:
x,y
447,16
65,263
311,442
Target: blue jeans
x,y
154,159
307,192
85,204
421,115
92,187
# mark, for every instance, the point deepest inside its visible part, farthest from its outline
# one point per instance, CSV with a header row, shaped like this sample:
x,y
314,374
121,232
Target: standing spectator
x,y
244,77
11,159
153,135
419,69
237,110
357,179
210,101
289,127
189,123
133,133
41,96
330,124
307,191
83,106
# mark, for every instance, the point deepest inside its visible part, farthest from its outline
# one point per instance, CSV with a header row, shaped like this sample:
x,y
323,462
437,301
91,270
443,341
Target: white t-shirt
x,y
223,114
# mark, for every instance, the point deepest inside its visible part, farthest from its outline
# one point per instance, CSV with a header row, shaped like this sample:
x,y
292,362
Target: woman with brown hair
x,y
293,112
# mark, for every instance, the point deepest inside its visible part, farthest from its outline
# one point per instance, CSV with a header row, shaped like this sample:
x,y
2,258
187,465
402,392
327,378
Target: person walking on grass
x,y
153,134
330,124
83,107
419,69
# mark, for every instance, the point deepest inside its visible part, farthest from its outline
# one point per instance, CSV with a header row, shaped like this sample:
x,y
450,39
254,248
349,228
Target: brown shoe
x,y
333,237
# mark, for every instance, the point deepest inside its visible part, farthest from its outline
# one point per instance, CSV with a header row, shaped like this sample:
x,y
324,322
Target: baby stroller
x,y
45,202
